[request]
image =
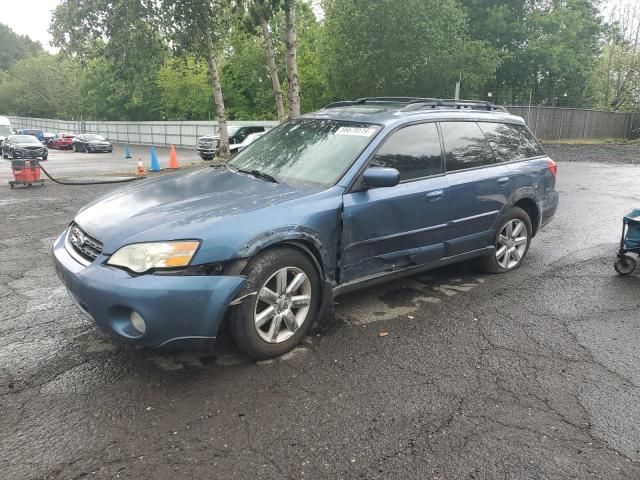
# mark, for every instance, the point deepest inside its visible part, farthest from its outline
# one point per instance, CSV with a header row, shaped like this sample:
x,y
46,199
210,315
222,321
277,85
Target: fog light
x,y
138,322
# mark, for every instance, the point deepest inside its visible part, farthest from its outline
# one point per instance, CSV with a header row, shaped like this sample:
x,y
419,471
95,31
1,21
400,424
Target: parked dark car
x,y
208,146
361,192
90,142
39,134
23,146
47,137
62,141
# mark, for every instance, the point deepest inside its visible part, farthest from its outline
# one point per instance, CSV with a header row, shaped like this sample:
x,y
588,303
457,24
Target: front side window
x,y
510,142
465,146
414,151
307,151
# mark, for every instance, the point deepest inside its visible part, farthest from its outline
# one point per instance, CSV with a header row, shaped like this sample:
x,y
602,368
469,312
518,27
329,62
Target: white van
x,y
5,129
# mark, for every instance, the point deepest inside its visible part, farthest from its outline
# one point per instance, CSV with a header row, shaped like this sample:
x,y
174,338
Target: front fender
x,y
290,234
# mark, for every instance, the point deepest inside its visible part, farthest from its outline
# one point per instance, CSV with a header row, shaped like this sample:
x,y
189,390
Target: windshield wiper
x,y
260,175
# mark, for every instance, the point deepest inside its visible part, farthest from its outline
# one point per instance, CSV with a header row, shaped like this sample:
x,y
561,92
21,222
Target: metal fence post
x,y
561,117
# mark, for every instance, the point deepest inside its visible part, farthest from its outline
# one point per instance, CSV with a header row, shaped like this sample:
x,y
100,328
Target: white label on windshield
x,y
356,131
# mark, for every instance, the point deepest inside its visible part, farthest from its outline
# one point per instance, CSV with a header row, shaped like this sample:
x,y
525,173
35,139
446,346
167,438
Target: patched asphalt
x,y
450,374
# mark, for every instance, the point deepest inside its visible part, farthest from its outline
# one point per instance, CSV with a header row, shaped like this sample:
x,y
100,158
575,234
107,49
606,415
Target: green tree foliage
x,y
185,91
14,47
402,47
547,48
43,86
615,83
120,39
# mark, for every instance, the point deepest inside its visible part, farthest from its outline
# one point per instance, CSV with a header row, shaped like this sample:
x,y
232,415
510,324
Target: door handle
x,y
502,181
435,195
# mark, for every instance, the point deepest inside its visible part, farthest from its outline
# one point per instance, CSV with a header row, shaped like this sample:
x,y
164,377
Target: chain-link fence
x,y
180,134
547,123
559,123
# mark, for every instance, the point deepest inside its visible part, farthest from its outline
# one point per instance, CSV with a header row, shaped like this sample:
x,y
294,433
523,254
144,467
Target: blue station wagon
x,y
357,193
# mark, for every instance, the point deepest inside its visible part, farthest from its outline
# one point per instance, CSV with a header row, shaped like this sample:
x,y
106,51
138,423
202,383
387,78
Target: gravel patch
x,y
609,153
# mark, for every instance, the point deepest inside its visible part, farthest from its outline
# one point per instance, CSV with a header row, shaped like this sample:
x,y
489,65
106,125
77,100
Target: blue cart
x,y
629,243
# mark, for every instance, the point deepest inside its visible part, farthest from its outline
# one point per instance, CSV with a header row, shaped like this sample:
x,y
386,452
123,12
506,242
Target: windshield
x,y
5,131
94,137
24,139
307,150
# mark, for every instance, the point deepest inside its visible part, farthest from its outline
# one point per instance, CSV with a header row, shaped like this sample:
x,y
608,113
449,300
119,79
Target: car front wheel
x,y
285,305
512,241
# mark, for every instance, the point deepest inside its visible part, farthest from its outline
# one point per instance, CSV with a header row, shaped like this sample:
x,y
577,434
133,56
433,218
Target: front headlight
x,y
142,257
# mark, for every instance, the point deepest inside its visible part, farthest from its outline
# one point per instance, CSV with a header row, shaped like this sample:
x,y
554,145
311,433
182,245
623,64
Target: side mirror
x,y
378,177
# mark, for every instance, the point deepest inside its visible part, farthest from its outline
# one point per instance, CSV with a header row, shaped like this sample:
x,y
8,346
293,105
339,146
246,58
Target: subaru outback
x,y
357,193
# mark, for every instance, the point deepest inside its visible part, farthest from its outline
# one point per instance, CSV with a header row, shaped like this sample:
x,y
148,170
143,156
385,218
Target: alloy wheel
x,y
282,305
511,244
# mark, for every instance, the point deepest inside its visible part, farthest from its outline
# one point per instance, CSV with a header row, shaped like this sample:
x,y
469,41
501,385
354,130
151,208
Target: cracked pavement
x,y
529,375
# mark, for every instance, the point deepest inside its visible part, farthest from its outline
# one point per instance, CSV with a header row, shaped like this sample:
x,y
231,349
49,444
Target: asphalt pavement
x,y
448,375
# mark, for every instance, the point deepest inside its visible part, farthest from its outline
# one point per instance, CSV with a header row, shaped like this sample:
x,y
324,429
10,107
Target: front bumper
x,y
207,151
173,307
29,153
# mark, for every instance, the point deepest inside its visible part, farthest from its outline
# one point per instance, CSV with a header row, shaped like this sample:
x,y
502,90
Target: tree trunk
x,y
293,84
218,99
273,69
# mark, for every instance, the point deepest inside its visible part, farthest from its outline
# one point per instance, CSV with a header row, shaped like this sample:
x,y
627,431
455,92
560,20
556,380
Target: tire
x,y
284,325
514,252
625,265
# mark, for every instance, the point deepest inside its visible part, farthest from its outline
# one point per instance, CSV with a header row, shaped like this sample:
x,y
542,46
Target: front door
x,y
387,229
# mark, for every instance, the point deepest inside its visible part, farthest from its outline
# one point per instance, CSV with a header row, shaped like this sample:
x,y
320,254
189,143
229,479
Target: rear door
x,y
388,229
479,186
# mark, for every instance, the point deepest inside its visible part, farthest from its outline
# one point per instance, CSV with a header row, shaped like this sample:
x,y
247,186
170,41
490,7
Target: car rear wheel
x,y
512,241
287,296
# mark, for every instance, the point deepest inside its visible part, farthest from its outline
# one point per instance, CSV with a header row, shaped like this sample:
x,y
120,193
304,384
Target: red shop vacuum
x,y
26,173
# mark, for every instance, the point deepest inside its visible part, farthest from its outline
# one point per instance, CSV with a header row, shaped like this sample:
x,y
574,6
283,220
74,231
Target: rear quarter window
x,y
510,142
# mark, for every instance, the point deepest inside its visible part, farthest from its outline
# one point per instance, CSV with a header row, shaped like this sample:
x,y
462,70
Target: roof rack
x,y
419,103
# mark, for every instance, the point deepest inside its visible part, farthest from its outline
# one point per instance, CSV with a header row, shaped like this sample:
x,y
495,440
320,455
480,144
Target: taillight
x,y
552,166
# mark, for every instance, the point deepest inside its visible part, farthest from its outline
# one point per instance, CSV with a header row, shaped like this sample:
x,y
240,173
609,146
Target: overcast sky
x,y
32,17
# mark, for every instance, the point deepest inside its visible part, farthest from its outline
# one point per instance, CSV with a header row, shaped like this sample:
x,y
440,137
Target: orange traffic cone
x,y
173,158
140,171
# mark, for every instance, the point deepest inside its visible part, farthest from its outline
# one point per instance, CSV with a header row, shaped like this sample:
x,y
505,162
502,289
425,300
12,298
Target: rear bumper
x,y
174,308
549,207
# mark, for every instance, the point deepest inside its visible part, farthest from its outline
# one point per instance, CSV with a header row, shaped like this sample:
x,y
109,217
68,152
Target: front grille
x,y
39,149
84,244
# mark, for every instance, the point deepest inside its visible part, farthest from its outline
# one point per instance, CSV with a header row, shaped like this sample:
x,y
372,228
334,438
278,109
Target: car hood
x,y
28,144
98,142
178,206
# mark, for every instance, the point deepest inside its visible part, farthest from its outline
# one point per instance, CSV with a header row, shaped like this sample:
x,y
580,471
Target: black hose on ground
x,y
106,182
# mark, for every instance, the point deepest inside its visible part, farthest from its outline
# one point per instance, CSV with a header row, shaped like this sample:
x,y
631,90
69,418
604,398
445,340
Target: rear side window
x,y
465,146
414,151
510,142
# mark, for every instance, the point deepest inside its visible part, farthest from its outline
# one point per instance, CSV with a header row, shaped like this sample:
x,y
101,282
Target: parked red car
x,y
62,141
